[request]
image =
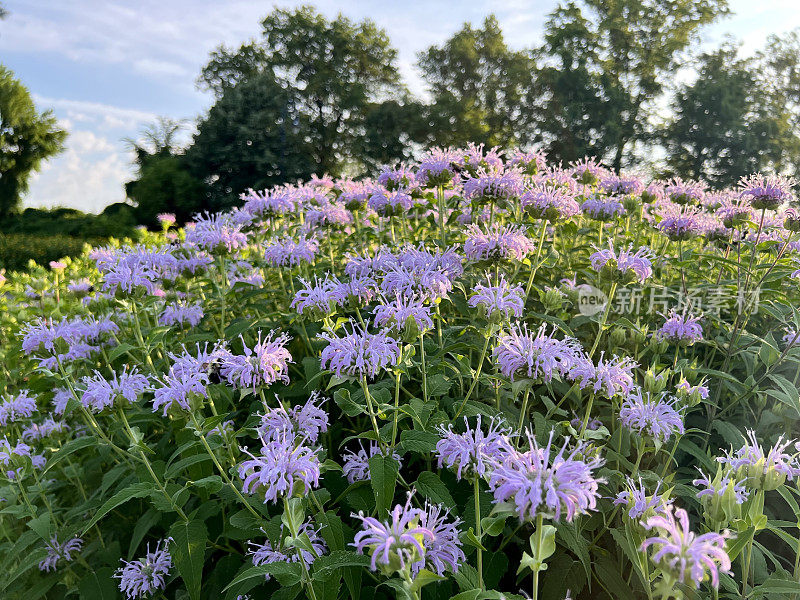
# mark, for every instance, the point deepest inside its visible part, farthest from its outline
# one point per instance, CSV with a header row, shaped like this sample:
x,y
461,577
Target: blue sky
x,y
107,68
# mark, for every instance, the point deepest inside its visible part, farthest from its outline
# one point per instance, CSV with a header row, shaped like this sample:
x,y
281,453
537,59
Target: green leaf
x,y
438,385
325,566
99,585
143,525
185,463
740,542
430,485
212,483
414,440
188,549
383,472
287,574
137,490
70,447
776,586
119,351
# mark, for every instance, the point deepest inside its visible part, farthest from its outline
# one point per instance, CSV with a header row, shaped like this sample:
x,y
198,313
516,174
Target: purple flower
x,y
681,223
404,313
329,214
530,162
281,469
613,376
493,185
762,470
359,353
550,202
532,356
136,268
180,390
289,253
623,266
734,212
265,553
684,192
501,300
399,177
101,393
240,271
792,335
305,421
60,399
683,330
643,413
443,552
81,286
602,209
268,202
166,218
52,343
688,557
587,170
621,184
320,298
180,314
766,192
56,551
144,576
356,464
719,485
8,452
16,408
473,452
435,167
216,232
43,430
263,364
390,204
636,499
498,242
536,483
400,541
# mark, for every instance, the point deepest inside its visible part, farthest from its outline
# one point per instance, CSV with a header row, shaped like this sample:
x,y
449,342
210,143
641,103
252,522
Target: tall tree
x,y
164,182
253,137
478,84
734,119
333,71
631,47
27,138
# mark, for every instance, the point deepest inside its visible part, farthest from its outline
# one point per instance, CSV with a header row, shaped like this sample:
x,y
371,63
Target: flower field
x,y
478,376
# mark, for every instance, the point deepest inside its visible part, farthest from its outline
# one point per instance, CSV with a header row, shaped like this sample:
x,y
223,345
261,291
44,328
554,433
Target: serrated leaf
x,y
187,548
431,486
383,471
137,490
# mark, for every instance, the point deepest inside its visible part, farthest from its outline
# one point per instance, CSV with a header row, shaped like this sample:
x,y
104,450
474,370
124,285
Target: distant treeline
x,y
314,96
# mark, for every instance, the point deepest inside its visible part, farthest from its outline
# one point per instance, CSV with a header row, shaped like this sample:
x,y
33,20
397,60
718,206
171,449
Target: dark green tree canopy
x,y
254,136
736,118
478,87
27,138
334,72
627,48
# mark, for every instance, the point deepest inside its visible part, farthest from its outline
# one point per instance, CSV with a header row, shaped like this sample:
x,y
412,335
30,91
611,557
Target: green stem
x,y
477,372
535,266
149,467
538,533
604,319
478,534
371,410
223,473
524,410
